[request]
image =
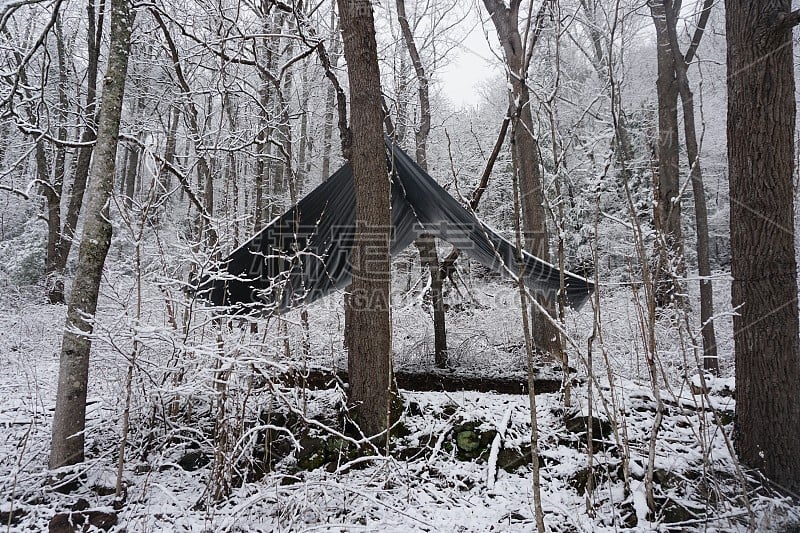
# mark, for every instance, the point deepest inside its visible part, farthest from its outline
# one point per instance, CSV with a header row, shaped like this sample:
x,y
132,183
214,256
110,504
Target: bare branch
x,y
698,32
18,192
182,178
10,8
537,31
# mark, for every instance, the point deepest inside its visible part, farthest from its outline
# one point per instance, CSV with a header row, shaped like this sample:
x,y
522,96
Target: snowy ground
x,y
458,462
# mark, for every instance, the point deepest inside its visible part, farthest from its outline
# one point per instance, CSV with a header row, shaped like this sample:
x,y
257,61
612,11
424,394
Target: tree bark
x,y
130,175
55,281
667,210
69,419
52,196
78,189
525,160
368,334
761,125
710,360
170,147
264,166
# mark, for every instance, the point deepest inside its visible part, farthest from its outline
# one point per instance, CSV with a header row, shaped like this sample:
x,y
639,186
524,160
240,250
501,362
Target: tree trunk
x,y
263,171
761,122
285,129
55,281
428,253
69,419
52,204
131,174
368,334
301,172
669,244
170,147
600,63
231,197
94,34
710,360
525,162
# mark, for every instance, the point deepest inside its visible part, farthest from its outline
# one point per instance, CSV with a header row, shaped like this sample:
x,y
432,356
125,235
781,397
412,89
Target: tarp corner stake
x,y
304,254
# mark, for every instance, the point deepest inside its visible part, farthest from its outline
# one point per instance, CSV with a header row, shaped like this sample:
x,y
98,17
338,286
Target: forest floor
x,y
272,456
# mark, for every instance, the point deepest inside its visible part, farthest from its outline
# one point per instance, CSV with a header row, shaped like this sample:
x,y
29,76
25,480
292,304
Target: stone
x,y
12,516
468,441
601,431
193,460
471,442
627,515
82,521
673,512
312,453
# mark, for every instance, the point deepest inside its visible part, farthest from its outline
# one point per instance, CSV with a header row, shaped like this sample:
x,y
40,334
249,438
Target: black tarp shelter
x,y
304,254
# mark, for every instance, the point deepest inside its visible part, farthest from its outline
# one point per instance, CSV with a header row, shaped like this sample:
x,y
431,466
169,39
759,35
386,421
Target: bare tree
x,y
94,35
368,334
69,419
428,252
710,361
205,177
667,209
525,148
50,164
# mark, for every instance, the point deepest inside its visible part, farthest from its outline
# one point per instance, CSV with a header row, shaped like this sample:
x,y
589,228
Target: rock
x,y
468,441
627,515
311,454
449,410
724,416
673,512
80,505
12,516
142,468
509,459
315,452
409,453
290,480
66,482
102,490
665,478
193,460
514,517
414,409
580,479
601,431
471,442
82,521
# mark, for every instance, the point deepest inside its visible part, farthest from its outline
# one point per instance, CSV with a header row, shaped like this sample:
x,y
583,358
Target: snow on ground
x,y
286,466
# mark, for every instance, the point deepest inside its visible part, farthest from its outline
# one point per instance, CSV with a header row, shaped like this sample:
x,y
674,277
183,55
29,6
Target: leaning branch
x,y
698,32
448,265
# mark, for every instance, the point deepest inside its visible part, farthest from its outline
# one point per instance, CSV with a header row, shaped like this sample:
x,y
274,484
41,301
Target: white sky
x,y
467,72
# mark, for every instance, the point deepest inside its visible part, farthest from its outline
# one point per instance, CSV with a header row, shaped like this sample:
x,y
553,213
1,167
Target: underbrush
x,y
225,437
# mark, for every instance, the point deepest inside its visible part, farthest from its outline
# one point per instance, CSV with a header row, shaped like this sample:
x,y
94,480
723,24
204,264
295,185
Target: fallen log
x,y
433,380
